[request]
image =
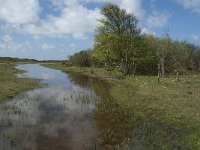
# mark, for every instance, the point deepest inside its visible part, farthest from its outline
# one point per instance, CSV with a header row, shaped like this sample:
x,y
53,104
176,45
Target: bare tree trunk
x,y
134,69
105,64
178,74
159,73
162,67
126,63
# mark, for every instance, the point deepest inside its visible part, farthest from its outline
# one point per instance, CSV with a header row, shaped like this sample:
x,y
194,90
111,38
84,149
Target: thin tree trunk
x,y
105,64
178,74
134,69
163,67
159,73
125,65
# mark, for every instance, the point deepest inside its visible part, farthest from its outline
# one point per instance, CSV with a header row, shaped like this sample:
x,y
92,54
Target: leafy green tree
x,y
180,55
83,58
119,43
192,62
118,38
196,59
152,44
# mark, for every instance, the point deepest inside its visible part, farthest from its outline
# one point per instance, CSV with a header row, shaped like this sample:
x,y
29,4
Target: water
x,y
71,112
58,116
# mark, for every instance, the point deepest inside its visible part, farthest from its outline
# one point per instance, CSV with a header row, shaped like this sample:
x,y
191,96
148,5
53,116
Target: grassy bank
x,y
10,85
163,115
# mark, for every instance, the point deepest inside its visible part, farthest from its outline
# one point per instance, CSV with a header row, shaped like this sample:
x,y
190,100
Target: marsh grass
x,y
90,71
163,115
11,85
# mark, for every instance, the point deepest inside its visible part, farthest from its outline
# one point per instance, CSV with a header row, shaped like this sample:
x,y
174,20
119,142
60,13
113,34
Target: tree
x,y
118,38
152,44
83,58
164,47
196,59
181,54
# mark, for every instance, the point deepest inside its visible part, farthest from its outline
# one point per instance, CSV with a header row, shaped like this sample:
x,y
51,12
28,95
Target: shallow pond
x,y
62,115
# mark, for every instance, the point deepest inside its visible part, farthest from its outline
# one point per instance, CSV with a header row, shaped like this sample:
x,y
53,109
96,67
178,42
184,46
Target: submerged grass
x,y
163,115
11,85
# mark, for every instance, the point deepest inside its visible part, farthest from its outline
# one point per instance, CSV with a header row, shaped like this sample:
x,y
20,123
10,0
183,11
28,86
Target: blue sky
x,y
55,29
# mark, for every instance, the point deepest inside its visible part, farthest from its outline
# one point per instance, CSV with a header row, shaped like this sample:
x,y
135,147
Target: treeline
x,y
26,60
10,59
82,59
119,43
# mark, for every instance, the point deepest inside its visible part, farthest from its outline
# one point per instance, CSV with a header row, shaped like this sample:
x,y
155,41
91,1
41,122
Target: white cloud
x,y
46,46
75,19
195,37
158,19
8,45
72,46
193,5
19,11
147,31
6,38
132,6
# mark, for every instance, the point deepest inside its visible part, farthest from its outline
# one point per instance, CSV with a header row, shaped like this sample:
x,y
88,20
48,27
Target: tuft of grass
x,y
11,85
90,71
171,108
163,115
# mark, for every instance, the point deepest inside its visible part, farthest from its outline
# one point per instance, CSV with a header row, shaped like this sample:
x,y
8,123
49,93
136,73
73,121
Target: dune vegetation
x,y
10,84
154,81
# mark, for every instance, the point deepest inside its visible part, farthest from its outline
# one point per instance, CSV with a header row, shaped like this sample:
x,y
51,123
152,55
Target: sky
x,y
56,29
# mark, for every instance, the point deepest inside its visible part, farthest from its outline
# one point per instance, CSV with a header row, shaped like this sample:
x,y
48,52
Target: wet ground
x,y
63,115
58,116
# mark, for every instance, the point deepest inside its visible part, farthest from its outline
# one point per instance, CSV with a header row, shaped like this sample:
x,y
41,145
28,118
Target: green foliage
x,y
162,116
172,55
9,60
82,59
118,38
119,44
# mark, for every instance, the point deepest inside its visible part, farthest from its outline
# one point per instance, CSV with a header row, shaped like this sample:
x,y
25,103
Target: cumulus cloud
x,y
72,46
147,31
19,11
46,46
132,6
193,5
158,19
77,20
7,44
74,19
6,38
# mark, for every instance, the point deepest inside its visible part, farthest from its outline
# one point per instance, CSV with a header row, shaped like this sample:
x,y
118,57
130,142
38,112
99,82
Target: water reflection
x,y
114,130
46,75
63,115
59,116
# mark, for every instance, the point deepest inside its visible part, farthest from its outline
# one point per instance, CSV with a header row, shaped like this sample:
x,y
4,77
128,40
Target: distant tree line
x,y
83,59
120,43
10,59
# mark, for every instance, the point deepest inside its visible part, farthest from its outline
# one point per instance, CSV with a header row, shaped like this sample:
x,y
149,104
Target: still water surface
x,y
62,115
59,116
